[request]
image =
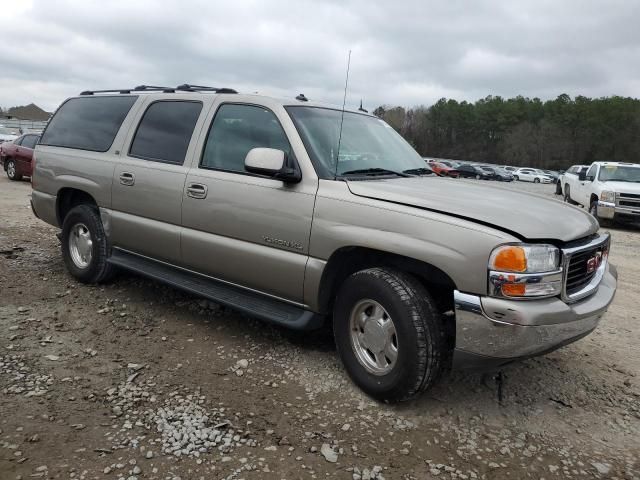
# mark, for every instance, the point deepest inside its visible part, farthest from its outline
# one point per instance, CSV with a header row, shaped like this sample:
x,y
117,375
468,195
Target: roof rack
x,y
91,92
200,88
151,88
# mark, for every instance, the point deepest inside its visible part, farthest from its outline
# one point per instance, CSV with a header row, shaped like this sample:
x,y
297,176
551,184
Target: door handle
x,y
127,179
197,190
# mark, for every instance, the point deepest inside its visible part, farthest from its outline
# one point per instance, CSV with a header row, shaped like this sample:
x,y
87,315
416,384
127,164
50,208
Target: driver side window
x,y
235,130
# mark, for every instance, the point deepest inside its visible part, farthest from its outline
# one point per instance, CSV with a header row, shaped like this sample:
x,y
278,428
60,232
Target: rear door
x,y
149,178
242,228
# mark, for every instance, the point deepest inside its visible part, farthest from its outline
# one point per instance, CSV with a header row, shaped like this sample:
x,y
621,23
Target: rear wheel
x,y
84,245
515,177
558,188
12,171
389,334
536,180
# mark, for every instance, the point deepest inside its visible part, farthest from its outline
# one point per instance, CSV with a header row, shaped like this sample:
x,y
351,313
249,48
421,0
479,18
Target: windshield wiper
x,y
419,171
375,171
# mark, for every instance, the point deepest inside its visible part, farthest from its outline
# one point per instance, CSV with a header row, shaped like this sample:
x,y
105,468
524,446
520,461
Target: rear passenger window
x,y
165,131
235,130
88,123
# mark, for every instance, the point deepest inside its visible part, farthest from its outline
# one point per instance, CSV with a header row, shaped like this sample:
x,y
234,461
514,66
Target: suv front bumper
x,y
491,332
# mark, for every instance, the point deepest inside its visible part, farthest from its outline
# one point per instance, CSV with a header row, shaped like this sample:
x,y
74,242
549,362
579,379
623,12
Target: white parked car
x,y
610,190
7,134
532,175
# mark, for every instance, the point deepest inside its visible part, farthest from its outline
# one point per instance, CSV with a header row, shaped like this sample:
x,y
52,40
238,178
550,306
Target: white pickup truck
x,y
610,190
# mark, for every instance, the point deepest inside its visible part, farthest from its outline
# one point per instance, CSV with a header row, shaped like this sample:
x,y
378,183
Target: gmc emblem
x,y
594,262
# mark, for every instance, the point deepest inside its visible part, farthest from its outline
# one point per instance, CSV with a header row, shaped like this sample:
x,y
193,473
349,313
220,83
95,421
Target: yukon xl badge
x,y
282,243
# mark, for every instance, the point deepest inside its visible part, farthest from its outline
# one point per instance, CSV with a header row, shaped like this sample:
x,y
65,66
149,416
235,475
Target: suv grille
x,y
584,268
578,274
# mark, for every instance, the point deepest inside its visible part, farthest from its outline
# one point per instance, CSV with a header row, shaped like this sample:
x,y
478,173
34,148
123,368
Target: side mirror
x,y
271,162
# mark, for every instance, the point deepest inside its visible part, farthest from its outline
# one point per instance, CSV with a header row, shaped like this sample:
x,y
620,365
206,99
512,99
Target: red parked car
x,y
443,170
16,156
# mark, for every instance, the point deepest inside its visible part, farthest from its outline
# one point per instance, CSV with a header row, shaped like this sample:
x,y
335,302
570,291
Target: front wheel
x,y
558,188
389,334
593,210
477,177
536,180
12,171
84,245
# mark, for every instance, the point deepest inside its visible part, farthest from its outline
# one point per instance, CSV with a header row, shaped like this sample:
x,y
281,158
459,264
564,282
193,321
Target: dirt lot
x,y
135,380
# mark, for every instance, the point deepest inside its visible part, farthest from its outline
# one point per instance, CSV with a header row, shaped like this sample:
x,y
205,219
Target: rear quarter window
x,y
88,123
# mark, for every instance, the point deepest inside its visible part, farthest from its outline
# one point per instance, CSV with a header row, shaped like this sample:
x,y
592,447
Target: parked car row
x,y
16,156
450,168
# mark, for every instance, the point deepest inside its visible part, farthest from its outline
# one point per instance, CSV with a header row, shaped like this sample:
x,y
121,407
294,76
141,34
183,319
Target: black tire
x,y
536,180
558,188
478,177
593,210
12,173
419,333
515,177
97,270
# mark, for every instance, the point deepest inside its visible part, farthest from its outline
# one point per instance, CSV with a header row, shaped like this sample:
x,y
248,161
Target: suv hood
x,y
621,187
531,217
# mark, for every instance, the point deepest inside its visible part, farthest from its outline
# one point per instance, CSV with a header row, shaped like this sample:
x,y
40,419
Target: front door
x,y
149,180
583,195
242,228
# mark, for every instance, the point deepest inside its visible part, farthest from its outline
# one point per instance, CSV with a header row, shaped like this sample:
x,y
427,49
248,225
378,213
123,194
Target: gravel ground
x,y
134,380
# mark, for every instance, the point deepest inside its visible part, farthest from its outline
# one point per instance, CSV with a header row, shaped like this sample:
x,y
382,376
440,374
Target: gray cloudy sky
x,y
404,52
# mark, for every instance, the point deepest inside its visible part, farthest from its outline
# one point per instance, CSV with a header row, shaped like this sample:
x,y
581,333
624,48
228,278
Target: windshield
x,y
367,143
617,173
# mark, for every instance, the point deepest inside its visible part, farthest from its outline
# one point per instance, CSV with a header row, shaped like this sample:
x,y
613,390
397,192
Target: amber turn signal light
x,y
510,259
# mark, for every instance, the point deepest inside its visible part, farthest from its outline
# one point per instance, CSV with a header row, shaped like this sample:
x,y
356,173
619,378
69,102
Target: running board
x,y
252,303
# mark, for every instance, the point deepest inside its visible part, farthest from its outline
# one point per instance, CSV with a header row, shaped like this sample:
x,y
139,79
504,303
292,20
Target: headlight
x,y
525,271
525,258
608,196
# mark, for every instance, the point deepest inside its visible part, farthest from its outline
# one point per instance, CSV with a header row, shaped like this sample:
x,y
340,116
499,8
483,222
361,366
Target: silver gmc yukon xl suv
x,y
299,213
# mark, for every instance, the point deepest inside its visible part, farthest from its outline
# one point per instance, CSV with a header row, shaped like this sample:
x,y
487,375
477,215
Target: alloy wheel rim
x,y
80,245
373,337
11,170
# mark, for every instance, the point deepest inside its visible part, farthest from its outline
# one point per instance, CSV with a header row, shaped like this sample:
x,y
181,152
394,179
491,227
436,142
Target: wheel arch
x,y
348,260
69,197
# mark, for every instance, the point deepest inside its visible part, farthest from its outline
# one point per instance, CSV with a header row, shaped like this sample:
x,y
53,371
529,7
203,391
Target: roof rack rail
x,y
151,88
91,92
185,87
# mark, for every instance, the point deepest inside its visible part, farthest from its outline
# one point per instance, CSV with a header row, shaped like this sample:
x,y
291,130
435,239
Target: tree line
x,y
520,131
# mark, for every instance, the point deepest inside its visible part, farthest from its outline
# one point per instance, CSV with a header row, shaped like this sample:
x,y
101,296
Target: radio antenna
x,y
344,102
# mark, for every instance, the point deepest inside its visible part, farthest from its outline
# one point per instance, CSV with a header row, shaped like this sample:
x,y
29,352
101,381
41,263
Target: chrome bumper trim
x,y
511,330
